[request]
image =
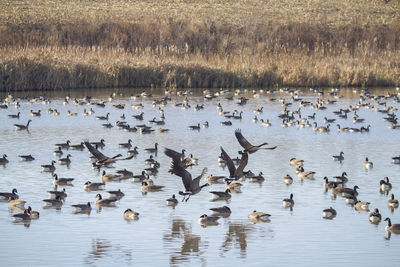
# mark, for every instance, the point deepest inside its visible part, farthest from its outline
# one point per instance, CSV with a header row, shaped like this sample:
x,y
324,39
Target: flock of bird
x,y
180,163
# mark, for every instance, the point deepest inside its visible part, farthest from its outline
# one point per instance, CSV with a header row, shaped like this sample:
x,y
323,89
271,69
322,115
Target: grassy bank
x,y
45,45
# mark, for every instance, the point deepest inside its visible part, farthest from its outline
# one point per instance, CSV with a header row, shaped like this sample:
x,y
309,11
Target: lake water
x,y
165,235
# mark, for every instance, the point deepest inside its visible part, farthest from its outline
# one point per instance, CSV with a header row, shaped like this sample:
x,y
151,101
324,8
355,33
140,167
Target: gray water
x,y
165,235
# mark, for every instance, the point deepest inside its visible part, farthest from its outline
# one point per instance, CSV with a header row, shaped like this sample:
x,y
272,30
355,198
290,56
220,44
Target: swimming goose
x,y
152,150
77,147
296,162
131,215
109,177
35,113
265,123
15,203
375,217
326,120
22,216
330,184
208,220
138,117
172,201
393,228
146,187
194,127
396,160
223,211
60,194
58,152
33,213
89,186
344,129
133,152
53,202
258,216
342,178
329,213
385,185
362,205
125,174
213,179
305,174
103,118
100,144
7,196
49,167
236,173
82,207
287,179
65,161
257,178
26,157
62,181
14,116
288,202
118,194
233,186
140,177
105,201
368,164
71,114
338,157
126,145
3,160
22,127
63,145
347,192
249,147
393,203
221,195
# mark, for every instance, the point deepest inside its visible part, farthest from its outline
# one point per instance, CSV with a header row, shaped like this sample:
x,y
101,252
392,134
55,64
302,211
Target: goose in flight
x,y
101,158
249,147
234,172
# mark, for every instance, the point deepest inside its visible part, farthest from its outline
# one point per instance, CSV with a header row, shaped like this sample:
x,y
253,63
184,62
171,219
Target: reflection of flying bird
x,y
249,147
234,172
101,158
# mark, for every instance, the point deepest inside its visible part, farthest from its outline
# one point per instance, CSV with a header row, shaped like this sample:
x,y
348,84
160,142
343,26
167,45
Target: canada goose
x,y
265,123
137,106
62,181
288,202
130,215
233,186
49,167
223,211
53,202
208,220
393,228
63,145
213,179
249,147
396,160
258,216
118,194
58,152
22,216
80,208
33,213
138,117
146,187
107,125
326,120
338,157
329,213
393,203
347,192
62,194
236,173
287,179
152,150
14,116
140,177
126,145
15,203
125,174
194,127
362,206
344,129
368,164
323,129
65,161
385,185
296,162
71,114
226,123
258,110
330,184
7,196
35,113
305,175
101,158
3,160
133,152
26,157
100,144
81,146
172,201
342,178
93,186
257,178
150,160
351,200
22,127
221,195
103,118
255,119
105,201
109,177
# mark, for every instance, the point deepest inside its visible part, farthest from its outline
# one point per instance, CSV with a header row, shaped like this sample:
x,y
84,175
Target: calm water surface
x,y
165,235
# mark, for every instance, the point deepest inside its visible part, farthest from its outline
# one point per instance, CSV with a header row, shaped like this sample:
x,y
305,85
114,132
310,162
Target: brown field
x,y
86,44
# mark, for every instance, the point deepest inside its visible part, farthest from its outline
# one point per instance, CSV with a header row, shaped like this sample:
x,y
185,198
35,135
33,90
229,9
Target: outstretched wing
x,y
175,156
178,170
242,164
196,181
229,162
100,156
242,141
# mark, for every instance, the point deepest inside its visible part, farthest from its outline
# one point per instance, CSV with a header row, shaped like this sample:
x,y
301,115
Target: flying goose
x,y
208,220
393,228
249,147
131,215
21,126
26,157
101,158
236,173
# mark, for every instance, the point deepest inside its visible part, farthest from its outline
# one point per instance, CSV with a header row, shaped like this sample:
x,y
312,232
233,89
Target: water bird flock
x,y
180,163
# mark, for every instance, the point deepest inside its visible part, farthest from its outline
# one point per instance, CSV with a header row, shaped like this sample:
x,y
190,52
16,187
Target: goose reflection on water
x,y
103,248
